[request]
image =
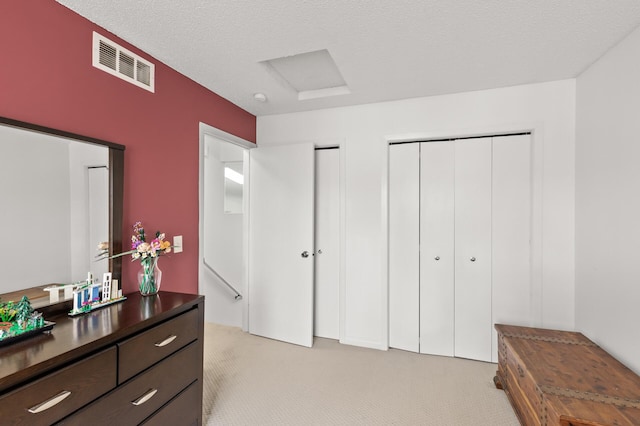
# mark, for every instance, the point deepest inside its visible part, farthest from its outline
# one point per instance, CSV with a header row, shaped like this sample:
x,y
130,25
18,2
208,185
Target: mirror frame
x,y
116,187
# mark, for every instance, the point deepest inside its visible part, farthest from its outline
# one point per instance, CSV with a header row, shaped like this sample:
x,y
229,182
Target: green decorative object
x,y
19,320
23,310
7,312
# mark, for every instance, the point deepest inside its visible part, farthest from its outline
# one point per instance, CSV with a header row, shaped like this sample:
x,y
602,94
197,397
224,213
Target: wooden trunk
x,y
562,378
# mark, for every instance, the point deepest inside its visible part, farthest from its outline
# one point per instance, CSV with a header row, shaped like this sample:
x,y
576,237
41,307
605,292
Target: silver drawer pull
x,y
166,341
144,398
49,403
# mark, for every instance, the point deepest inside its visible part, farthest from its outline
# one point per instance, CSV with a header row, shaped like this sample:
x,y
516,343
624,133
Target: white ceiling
x,y
385,49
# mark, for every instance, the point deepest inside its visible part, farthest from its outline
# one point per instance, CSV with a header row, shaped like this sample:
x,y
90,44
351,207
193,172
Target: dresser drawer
x,y
52,397
145,349
185,409
137,399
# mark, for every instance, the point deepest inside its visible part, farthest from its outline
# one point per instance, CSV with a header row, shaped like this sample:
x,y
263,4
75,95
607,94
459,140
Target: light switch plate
x,y
177,244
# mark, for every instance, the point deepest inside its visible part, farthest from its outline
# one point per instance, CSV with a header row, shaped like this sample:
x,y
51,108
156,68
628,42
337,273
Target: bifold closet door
x,y
404,246
473,328
436,229
460,226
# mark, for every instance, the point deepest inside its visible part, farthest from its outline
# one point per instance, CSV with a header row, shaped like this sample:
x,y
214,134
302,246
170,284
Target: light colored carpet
x,y
251,380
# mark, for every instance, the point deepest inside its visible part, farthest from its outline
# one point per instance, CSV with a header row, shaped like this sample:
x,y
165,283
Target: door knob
x,y
437,258
305,254
473,259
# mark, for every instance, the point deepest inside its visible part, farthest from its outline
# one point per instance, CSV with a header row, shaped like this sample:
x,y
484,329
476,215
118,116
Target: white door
x,y
437,285
404,246
473,249
327,240
281,223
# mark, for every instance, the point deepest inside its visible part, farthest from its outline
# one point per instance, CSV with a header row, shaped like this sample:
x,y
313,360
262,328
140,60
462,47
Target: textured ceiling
x,y
385,50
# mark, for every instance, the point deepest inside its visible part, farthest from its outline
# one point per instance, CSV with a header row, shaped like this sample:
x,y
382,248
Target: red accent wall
x,y
46,77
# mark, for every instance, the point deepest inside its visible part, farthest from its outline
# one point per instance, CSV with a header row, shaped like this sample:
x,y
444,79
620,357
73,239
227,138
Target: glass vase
x,y
150,276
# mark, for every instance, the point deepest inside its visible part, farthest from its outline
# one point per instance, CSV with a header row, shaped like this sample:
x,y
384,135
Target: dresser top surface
x,y
75,337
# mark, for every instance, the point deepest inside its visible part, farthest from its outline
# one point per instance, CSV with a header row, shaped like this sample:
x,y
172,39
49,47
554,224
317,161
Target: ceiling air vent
x,y
120,62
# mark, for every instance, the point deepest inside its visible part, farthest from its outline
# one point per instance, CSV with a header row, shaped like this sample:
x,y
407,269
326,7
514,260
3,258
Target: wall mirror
x,y
61,195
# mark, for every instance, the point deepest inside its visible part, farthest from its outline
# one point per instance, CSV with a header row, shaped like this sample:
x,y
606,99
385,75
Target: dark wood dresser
x,y
562,378
135,362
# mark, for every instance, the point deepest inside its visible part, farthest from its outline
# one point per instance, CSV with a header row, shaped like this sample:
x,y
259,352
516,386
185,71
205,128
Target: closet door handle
x,y
437,258
473,259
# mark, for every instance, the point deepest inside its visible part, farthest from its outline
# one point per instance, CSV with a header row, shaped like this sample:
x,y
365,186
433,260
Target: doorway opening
x,y
223,229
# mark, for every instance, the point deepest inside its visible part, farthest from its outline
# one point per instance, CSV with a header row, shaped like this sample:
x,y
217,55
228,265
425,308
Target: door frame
x,y
205,129
537,171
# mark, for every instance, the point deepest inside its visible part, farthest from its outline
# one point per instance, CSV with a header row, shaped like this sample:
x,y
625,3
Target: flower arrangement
x,y
141,249
148,253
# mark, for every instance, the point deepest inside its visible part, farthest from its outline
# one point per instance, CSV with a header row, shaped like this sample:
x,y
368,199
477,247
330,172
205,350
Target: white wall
x,y
547,109
608,201
34,209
